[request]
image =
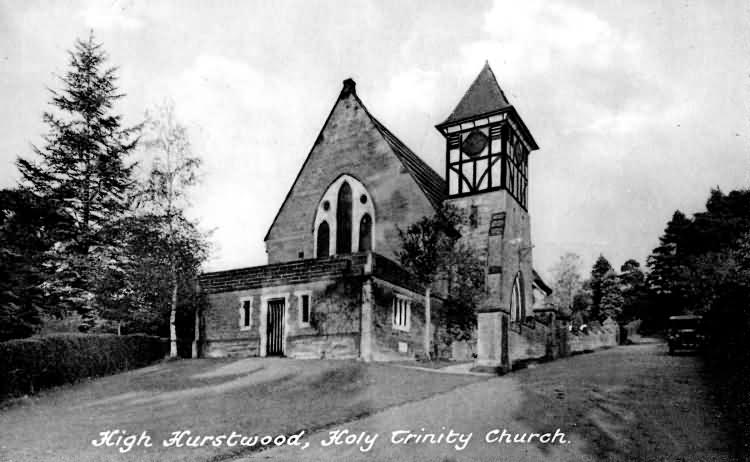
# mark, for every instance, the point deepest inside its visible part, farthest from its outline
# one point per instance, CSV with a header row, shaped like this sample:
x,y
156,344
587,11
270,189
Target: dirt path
x,y
632,403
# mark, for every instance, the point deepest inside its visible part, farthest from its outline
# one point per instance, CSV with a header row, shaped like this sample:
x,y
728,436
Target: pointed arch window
x,y
323,240
517,308
365,233
349,212
344,220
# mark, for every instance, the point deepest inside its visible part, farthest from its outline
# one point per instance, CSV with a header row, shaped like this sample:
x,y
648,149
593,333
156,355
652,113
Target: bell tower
x,y
486,169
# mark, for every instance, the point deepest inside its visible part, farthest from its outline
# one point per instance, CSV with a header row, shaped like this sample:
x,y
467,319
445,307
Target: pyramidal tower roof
x,y
483,96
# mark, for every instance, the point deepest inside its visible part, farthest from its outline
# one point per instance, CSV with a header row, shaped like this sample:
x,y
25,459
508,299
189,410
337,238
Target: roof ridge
x,y
483,96
433,185
428,180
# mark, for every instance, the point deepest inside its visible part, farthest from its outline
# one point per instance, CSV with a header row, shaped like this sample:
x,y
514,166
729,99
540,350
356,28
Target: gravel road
x,y
630,403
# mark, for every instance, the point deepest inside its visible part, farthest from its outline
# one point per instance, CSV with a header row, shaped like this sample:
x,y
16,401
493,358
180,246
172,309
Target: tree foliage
x,y
174,170
599,273
612,301
432,250
139,298
29,225
82,168
691,260
567,283
82,240
635,293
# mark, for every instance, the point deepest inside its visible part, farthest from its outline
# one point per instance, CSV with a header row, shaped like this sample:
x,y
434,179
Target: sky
x,y
639,107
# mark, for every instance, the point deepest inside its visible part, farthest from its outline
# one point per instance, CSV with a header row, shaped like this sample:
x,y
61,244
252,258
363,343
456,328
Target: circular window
x,y
363,199
326,205
474,143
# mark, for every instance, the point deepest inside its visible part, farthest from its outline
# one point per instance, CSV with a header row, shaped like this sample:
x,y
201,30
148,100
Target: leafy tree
x,y
598,273
82,167
567,282
635,293
426,244
28,227
139,299
631,274
702,265
689,263
612,300
582,303
465,281
174,170
432,251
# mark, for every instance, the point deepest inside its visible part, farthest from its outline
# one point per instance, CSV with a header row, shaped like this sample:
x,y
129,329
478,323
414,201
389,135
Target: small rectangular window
x,y
474,216
305,309
401,313
245,314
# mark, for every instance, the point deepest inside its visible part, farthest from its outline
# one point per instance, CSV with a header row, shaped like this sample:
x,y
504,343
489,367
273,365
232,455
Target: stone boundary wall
x,y
528,340
597,337
534,339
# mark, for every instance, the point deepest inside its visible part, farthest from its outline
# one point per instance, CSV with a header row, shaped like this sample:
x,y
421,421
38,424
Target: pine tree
x,y
83,168
28,227
598,272
671,272
612,301
634,291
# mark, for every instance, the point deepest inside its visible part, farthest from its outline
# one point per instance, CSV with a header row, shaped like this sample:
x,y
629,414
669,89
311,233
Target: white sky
x,y
639,107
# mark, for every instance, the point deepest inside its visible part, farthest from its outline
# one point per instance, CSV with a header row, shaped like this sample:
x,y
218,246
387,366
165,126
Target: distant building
x,y
333,288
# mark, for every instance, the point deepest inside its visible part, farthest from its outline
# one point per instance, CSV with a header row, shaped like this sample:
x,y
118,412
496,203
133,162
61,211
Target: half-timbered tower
x,y
487,158
332,287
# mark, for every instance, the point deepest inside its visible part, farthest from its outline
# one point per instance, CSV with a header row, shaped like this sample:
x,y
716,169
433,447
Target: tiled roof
x,y
429,181
540,282
483,96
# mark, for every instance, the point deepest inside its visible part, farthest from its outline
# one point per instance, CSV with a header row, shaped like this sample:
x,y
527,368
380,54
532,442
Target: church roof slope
x,y
483,96
429,181
540,282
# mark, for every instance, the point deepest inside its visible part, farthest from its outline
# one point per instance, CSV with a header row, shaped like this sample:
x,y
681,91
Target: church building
x,y
333,287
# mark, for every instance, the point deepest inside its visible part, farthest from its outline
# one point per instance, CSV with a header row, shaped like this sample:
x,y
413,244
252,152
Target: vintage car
x,y
685,333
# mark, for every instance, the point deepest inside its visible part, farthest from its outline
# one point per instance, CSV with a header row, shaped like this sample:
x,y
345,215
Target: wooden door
x,y
275,328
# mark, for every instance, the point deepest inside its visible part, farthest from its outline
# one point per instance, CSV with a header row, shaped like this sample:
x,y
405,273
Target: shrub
x,y
728,354
28,365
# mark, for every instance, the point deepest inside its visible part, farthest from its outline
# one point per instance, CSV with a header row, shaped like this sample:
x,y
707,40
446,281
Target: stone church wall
x,y
391,344
334,325
349,144
222,334
333,331
506,251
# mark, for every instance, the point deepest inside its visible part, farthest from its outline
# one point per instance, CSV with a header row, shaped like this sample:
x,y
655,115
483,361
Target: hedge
x,y
29,365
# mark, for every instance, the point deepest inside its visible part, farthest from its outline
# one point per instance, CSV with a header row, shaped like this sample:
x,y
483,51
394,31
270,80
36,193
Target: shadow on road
x,y
628,403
